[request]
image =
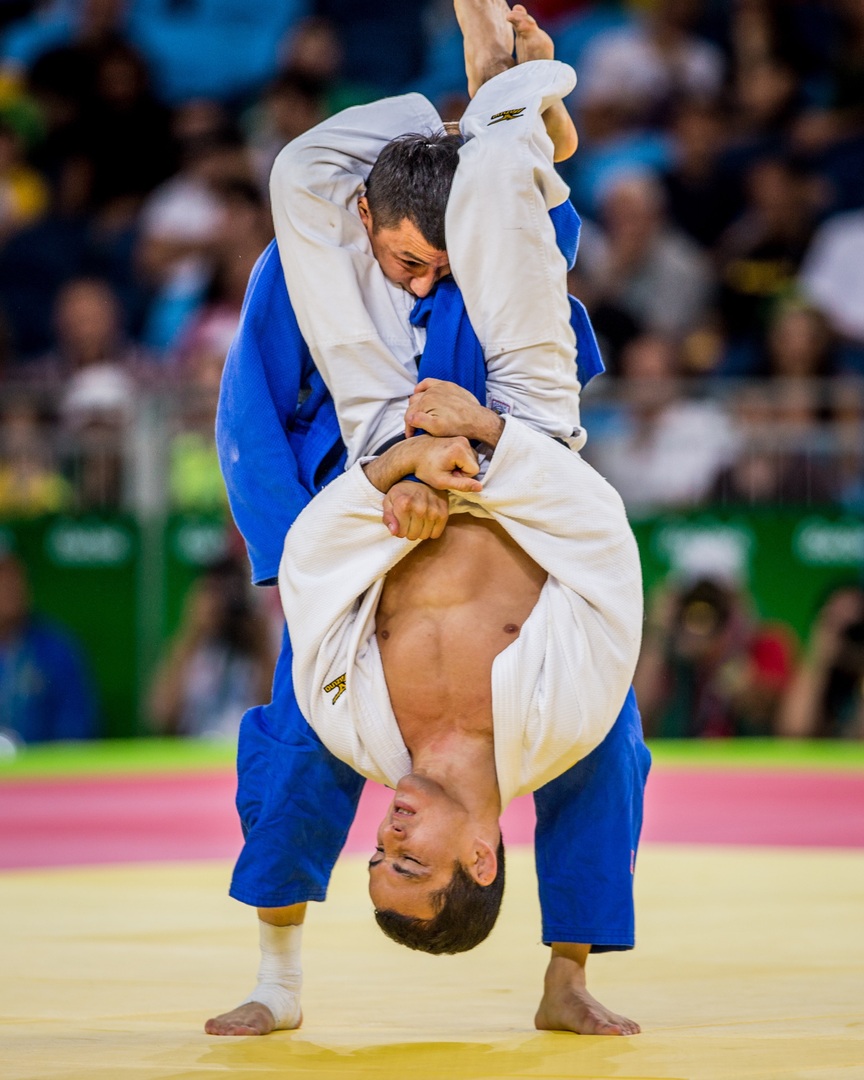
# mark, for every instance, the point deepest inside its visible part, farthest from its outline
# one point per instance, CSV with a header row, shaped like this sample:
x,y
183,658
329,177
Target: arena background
x,y
720,178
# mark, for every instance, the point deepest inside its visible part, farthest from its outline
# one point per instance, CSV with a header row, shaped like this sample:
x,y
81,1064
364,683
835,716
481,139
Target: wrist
x,y
392,466
490,428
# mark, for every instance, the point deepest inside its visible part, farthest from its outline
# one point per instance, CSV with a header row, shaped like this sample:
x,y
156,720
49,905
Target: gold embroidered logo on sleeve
x,y
507,114
338,685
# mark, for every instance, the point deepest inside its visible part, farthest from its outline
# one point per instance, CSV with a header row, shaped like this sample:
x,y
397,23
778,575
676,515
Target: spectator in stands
x,y
765,103
293,103
39,262
30,482
100,372
824,699
760,255
195,477
640,265
703,197
656,63
127,133
97,412
219,663
708,669
799,343
45,689
315,53
612,143
89,335
666,449
63,73
180,227
780,459
245,229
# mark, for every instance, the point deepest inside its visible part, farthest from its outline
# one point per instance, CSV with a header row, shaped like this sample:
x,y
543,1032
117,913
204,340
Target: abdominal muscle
x,y
445,613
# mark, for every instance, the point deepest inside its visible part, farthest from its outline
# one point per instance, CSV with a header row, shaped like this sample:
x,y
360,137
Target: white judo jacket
x,y
556,689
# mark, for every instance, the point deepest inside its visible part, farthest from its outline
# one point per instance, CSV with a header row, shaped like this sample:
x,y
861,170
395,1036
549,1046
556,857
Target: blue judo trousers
x,y
279,444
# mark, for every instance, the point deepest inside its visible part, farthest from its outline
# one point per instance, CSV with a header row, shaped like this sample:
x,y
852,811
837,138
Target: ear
x,y
484,863
364,212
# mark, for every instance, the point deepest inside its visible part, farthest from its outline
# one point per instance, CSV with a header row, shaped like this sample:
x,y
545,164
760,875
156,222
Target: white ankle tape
x,y
280,975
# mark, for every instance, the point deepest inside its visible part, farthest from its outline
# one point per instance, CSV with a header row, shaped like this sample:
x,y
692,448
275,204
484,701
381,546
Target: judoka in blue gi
x,y
280,442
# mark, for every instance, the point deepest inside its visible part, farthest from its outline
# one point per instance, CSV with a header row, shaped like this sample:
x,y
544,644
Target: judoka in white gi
x,y
470,668
508,340
364,345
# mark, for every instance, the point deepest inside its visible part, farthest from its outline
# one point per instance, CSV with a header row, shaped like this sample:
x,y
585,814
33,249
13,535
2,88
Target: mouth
x,y
402,808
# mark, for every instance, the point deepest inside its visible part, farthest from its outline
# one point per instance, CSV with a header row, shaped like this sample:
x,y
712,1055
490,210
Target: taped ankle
x,y
280,974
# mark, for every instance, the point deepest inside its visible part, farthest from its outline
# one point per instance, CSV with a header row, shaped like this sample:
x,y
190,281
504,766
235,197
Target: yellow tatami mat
x,y
750,964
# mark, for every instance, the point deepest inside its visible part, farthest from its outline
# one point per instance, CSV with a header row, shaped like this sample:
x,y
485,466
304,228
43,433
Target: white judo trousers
x,y
500,241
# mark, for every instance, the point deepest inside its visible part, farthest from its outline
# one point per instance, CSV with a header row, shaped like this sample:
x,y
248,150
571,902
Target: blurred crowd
x,y
720,178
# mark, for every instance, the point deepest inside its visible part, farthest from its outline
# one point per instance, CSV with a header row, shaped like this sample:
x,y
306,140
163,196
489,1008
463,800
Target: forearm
x,y
391,467
444,463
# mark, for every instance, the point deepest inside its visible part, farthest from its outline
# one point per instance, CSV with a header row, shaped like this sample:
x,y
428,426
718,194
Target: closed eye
x,y
405,872
373,862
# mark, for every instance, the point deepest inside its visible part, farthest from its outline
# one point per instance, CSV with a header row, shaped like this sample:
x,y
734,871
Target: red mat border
x,y
189,816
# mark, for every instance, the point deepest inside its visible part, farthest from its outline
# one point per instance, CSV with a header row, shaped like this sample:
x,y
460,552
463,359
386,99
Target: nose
x,y
421,286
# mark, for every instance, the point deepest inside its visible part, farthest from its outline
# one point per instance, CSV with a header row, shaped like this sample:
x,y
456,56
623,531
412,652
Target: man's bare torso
x,y
445,613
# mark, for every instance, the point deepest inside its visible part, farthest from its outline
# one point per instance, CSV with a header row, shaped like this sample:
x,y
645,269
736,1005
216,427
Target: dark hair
x,y
465,913
412,179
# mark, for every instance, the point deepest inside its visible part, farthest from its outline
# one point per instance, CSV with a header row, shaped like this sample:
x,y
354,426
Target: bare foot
x,y
487,38
578,1011
567,1005
533,43
253,1018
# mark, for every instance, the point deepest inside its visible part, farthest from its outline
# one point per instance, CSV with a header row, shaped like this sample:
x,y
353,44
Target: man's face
x,y
421,837
405,257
